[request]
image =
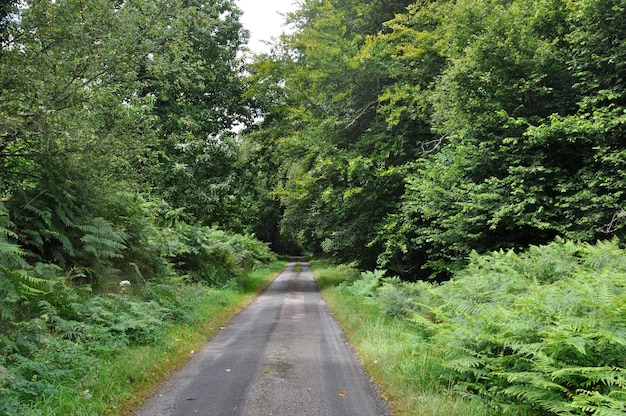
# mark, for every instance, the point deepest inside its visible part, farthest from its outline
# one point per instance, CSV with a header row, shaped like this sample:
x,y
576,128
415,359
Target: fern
x,y
367,284
604,254
544,329
213,255
102,240
596,403
591,377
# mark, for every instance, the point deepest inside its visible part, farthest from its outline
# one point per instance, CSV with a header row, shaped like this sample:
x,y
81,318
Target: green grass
x,y
120,382
408,370
144,368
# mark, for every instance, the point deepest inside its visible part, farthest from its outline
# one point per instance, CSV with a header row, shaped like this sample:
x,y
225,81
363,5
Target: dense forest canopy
x,y
407,134
393,134
105,105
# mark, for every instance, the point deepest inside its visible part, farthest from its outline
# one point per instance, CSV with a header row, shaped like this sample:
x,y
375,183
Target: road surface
x,y
283,355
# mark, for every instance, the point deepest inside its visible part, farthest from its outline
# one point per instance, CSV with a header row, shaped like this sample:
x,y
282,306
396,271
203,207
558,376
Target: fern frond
x,y
530,393
596,403
11,255
31,285
103,240
593,376
604,254
466,363
535,379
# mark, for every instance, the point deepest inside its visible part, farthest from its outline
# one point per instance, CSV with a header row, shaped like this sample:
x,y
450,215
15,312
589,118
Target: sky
x,y
262,19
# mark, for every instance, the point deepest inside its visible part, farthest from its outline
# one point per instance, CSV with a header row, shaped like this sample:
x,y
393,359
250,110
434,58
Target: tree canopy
x,y
393,134
410,134
115,124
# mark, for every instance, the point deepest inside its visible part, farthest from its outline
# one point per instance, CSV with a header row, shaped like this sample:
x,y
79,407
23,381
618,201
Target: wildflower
x,y
123,285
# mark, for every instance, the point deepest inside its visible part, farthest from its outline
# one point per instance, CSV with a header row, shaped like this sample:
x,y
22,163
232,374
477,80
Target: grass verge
x,y
135,376
408,370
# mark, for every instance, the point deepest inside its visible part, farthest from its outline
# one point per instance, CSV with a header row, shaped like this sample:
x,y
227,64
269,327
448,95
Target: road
x,y
282,355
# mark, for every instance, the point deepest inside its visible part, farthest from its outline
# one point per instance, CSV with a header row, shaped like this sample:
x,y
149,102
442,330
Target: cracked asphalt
x,y
284,355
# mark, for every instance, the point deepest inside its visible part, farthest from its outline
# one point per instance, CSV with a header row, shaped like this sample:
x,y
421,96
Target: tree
x,y
451,127
337,178
93,93
196,86
530,154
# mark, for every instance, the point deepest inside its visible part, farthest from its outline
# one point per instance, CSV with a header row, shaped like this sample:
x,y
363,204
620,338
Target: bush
x,y
542,331
367,284
212,255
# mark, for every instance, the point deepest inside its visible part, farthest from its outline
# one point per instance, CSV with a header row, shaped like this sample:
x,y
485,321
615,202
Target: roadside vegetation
x,y
410,372
533,333
124,225
87,354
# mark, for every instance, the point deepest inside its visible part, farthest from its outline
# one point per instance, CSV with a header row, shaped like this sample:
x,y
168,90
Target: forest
x,y
469,156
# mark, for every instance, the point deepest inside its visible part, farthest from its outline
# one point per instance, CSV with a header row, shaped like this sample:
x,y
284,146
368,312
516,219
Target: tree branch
x,y
432,145
615,222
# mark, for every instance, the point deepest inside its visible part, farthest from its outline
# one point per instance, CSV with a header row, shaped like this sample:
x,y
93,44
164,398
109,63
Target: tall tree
x,y
452,127
530,155
196,86
337,176
93,94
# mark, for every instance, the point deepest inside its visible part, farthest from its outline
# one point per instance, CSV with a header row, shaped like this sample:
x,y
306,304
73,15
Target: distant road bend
x,y
283,355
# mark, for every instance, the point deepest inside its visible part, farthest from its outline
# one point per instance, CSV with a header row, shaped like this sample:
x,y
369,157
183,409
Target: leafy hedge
x,y
541,331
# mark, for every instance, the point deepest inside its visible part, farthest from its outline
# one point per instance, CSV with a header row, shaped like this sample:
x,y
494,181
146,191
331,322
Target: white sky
x,y
262,19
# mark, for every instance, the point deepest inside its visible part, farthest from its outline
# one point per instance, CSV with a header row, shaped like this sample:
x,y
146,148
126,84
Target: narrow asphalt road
x,y
283,355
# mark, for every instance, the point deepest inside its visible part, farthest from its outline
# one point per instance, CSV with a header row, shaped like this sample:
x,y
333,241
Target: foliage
x,y
409,369
321,130
107,104
114,124
52,228
451,127
66,343
367,284
500,182
88,354
196,91
409,136
551,336
540,331
212,255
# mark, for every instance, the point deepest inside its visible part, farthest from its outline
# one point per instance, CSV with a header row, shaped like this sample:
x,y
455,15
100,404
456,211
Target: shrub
x,y
541,331
213,255
367,284
544,330
63,311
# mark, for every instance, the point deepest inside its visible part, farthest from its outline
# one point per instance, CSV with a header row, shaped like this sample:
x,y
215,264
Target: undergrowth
x,y
102,355
409,370
539,332
79,293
